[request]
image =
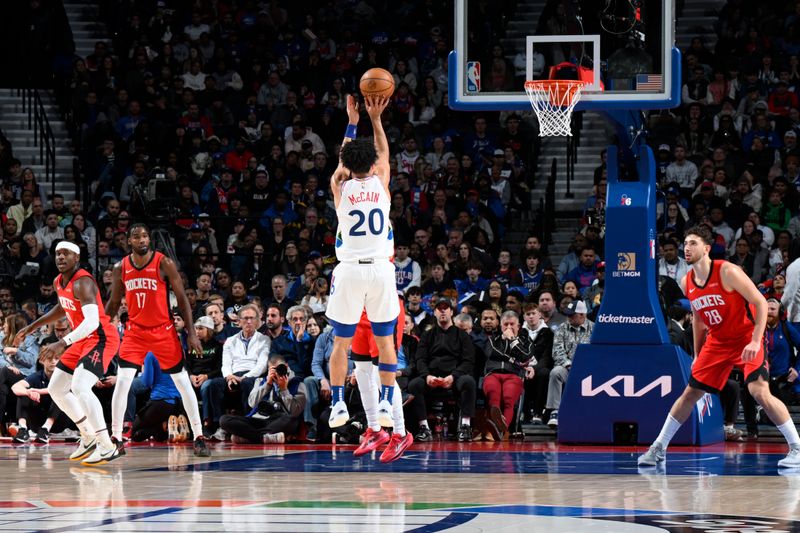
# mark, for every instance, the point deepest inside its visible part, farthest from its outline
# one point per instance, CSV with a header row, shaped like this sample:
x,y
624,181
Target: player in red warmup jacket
x,y
364,352
730,314
87,351
146,277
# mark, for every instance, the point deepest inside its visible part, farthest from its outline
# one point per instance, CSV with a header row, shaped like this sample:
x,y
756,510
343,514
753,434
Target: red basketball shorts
x,y
161,340
95,353
713,366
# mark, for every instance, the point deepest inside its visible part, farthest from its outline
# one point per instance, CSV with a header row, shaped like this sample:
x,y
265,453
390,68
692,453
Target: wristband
x,y
350,132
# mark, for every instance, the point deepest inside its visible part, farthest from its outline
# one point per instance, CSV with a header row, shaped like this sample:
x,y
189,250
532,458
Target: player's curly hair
x,y
702,231
359,155
136,226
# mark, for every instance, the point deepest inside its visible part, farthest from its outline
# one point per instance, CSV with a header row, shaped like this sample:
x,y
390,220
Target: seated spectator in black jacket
x,y
508,354
542,338
205,366
445,359
277,403
36,411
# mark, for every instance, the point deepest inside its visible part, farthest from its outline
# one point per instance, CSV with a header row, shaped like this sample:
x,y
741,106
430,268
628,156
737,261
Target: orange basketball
x,y
377,82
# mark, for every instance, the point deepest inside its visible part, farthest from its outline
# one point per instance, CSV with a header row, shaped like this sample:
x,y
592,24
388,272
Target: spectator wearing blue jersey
x,y
473,283
407,271
151,420
532,271
506,273
586,272
781,340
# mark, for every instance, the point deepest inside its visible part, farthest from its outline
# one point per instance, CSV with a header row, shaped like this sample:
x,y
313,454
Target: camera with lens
x,y
282,370
268,408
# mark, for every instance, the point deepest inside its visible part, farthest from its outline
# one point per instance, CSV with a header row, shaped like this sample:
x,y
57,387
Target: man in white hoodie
x,y
791,293
244,358
407,271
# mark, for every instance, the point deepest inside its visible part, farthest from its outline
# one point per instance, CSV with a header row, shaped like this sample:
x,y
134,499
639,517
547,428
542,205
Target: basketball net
x,y
553,102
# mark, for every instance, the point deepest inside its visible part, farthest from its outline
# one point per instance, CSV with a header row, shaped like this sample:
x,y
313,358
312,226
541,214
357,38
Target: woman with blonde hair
x,y
15,363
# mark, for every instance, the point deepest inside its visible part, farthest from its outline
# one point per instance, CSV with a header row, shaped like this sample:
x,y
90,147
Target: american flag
x,y
649,82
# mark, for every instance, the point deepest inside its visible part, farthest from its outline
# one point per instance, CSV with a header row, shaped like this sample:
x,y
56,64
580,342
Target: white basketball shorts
x,y
355,287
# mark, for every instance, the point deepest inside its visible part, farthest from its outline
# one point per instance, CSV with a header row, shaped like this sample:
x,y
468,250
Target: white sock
x,y
464,420
671,426
789,432
47,424
397,412
368,379
119,401
82,383
424,424
184,386
65,399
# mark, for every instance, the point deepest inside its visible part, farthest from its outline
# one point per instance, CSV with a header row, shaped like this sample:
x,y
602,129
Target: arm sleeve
x,y
560,357
227,357
261,363
319,357
295,404
148,373
217,371
467,363
90,323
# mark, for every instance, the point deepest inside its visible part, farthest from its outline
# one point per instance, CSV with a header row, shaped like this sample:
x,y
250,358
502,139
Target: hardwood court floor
x,y
435,487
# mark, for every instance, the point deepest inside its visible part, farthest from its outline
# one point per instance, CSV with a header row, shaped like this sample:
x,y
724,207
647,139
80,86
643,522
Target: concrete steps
x,y
14,124
84,19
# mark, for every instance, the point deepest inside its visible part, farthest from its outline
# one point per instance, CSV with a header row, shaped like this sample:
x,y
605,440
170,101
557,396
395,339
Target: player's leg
x,y
119,400
779,414
60,390
83,380
190,405
709,374
368,385
132,352
343,336
346,302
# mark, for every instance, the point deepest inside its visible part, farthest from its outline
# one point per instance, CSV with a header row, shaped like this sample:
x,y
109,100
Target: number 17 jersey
x,y
365,231
146,294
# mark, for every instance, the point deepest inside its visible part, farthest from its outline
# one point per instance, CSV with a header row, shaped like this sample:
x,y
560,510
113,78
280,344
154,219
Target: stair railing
x,y
42,133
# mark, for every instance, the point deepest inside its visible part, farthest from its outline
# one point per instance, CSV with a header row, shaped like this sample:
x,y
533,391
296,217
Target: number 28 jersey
x,y
146,294
727,314
365,231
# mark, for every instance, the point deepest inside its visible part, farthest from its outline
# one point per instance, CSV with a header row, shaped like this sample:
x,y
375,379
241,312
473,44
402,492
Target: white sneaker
x,y
653,456
102,455
220,435
792,459
385,418
85,448
274,438
339,415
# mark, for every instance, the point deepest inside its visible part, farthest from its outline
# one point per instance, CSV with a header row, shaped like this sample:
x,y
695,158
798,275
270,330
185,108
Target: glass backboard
x,y
624,49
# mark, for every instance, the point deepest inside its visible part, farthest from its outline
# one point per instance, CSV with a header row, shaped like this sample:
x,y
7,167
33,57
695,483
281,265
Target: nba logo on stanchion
x,y
474,76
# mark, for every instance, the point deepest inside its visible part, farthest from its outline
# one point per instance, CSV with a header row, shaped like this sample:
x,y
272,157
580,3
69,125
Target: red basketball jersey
x,y
727,314
72,306
146,293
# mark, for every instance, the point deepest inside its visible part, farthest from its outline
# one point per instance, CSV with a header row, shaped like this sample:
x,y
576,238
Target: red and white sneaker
x,y
372,441
397,445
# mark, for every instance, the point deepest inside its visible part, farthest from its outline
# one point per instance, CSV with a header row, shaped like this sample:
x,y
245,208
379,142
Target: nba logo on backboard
x,y
473,76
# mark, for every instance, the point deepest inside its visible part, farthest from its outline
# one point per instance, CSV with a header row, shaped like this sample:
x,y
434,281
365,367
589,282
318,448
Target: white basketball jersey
x,y
365,231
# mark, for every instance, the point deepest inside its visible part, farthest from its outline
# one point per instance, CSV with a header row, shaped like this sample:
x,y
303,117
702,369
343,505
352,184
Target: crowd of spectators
x,y
221,122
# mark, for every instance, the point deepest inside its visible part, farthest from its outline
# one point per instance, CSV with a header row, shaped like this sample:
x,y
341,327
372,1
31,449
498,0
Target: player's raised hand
x,y
375,105
352,109
750,351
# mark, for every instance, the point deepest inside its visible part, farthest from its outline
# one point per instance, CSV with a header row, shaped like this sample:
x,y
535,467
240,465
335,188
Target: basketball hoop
x,y
553,102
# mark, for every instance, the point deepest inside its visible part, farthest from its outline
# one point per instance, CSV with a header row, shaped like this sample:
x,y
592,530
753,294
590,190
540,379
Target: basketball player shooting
x,y
722,299
87,351
145,277
365,276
